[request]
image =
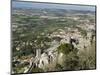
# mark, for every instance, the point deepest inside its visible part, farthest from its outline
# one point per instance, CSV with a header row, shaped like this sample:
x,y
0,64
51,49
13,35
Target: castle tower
x,y
38,52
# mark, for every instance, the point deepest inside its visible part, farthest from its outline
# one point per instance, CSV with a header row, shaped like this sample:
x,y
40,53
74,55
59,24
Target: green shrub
x,y
37,70
71,61
58,67
65,48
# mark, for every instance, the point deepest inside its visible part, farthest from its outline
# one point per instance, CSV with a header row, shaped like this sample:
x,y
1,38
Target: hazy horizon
x,y
22,4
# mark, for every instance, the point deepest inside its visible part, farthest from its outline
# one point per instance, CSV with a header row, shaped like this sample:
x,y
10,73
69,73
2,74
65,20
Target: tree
x,y
71,61
65,48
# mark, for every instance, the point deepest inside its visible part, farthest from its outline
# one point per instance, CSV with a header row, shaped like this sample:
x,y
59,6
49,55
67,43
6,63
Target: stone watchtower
x,y
38,53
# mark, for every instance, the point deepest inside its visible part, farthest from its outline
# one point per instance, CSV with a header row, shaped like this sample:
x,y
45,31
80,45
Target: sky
x,y
20,4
